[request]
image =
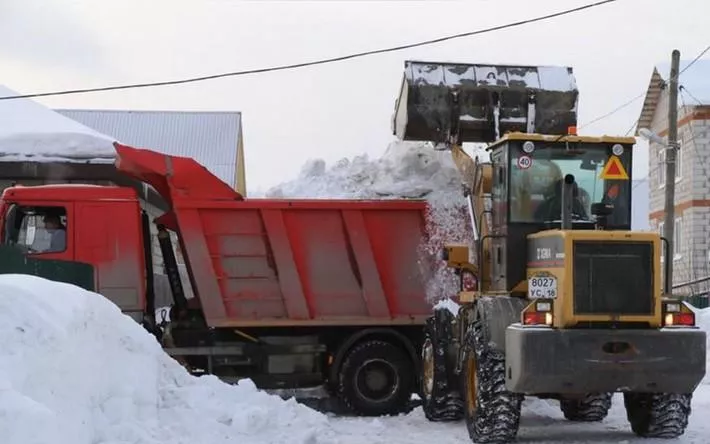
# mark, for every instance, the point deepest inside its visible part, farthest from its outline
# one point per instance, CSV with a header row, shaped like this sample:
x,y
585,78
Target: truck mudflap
x,y
577,361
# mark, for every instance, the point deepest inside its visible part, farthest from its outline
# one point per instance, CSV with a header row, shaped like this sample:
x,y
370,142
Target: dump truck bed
x,y
289,262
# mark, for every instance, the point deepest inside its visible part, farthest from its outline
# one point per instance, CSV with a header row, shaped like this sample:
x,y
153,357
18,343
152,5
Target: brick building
x,y
691,255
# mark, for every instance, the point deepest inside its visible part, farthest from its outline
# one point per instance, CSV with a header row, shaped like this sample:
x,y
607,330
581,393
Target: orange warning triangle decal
x,y
614,170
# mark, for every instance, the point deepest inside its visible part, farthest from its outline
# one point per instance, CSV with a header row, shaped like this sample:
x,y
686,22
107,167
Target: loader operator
x,y
58,233
551,208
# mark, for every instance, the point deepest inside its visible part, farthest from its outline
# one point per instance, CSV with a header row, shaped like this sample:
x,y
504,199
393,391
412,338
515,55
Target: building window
x,y
662,165
679,162
678,238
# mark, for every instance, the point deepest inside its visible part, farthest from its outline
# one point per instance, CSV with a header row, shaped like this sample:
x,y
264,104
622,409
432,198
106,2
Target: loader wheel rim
x,y
376,380
428,369
471,385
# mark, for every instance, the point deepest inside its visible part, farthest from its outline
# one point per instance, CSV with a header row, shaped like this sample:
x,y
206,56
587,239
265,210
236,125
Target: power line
x,y
614,111
313,63
685,90
619,108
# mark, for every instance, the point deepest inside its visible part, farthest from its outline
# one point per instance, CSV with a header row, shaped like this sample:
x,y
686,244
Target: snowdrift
x,y
75,370
702,320
407,170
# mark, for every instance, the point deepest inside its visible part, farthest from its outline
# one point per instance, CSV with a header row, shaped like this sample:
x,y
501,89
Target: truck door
x,y
108,235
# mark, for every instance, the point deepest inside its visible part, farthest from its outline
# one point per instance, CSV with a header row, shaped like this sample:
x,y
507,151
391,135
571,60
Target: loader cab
x,y
526,192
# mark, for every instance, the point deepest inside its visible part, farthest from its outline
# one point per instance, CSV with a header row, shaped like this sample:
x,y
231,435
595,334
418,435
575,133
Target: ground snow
x,y
448,304
74,370
32,132
407,170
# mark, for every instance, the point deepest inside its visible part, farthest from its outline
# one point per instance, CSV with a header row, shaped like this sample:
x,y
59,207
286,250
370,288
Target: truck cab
x,y
97,225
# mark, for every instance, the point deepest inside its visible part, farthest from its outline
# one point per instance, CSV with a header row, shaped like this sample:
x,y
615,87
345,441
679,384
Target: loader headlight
x,y
528,147
617,149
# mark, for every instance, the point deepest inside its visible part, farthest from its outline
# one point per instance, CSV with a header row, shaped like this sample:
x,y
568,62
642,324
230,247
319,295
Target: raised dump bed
x,y
289,262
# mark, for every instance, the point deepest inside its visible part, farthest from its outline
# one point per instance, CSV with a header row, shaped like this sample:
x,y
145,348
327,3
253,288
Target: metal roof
x,y
210,137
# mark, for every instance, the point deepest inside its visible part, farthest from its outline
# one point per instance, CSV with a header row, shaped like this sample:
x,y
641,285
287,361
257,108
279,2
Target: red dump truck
x,y
290,293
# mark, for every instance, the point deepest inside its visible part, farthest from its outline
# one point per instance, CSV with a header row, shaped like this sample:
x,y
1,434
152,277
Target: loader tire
x,y
376,379
492,412
592,408
658,415
440,401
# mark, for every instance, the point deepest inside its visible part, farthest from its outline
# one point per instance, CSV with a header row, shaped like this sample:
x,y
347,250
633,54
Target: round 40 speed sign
x,y
524,162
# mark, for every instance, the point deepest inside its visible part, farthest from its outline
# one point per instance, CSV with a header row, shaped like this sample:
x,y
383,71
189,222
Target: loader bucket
x,y
532,99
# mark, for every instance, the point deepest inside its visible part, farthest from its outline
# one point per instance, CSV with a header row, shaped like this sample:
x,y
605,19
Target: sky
x,y
342,109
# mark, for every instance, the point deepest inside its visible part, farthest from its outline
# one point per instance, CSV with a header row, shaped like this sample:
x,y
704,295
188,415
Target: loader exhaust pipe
x,y
568,188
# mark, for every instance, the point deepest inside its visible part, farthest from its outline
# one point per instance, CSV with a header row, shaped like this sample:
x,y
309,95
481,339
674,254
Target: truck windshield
x,y
535,182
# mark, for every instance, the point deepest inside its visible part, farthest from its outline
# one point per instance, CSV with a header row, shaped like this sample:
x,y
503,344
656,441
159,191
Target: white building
x,y
691,255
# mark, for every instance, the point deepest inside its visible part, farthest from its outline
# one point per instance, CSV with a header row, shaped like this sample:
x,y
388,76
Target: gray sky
x,y
337,110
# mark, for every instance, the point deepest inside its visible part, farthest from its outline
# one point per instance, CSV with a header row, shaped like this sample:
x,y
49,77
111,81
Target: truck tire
x,y
658,415
492,413
376,379
439,401
592,408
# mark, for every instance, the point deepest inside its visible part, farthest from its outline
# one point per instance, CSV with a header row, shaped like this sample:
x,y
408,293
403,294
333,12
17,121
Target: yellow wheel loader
x,y
569,302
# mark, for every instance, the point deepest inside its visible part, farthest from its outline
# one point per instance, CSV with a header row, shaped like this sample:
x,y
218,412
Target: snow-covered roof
x,y
34,133
695,80
210,137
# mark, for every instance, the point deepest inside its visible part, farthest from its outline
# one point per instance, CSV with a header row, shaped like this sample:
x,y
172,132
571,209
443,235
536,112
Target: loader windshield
x,y
535,182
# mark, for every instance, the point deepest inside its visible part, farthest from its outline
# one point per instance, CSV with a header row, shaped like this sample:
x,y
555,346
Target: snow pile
x,y
74,370
32,132
702,320
407,170
448,304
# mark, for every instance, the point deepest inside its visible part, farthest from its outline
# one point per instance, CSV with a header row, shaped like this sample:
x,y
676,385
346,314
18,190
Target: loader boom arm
x,y
476,178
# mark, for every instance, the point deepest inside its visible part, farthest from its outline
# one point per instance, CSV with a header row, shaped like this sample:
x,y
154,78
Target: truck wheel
x,y
592,408
439,402
492,412
658,415
376,378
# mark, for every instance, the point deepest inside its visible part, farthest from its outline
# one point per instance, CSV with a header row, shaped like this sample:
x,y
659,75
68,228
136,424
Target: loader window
x,y
535,183
37,229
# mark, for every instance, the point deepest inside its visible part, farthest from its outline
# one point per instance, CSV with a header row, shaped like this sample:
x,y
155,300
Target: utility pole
x,y
671,154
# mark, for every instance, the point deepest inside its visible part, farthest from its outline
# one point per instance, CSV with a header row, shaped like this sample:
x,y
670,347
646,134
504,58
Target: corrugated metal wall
x,y
211,138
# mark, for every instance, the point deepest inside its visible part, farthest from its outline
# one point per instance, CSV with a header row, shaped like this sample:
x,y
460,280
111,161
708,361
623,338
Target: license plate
x,y
542,287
